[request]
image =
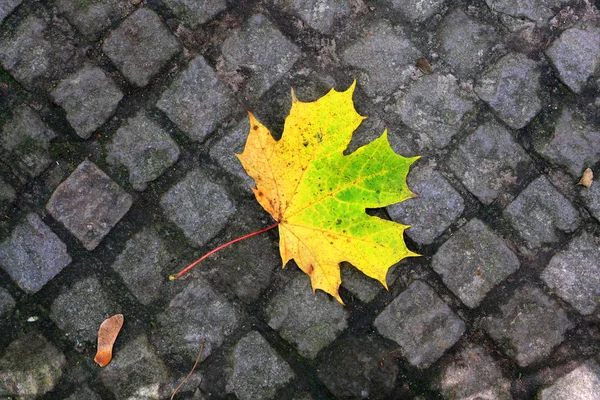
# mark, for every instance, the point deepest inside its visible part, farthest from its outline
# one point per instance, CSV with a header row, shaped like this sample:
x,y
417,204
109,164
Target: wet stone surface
x,y
7,194
539,211
358,367
510,87
529,325
84,393
89,97
260,50
434,106
189,205
317,14
197,101
576,55
581,383
136,372
33,254
25,141
473,374
539,11
89,204
591,197
195,13
418,10
386,58
309,320
141,46
575,143
92,18
574,274
231,143
473,261
7,304
360,285
487,161
80,310
421,323
6,7
31,366
438,206
257,370
144,148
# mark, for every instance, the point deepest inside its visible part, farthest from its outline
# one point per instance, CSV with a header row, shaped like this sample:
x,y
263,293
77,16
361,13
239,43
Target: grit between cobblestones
x,y
119,120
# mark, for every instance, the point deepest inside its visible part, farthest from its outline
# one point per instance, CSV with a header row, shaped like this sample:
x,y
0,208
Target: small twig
x,y
191,372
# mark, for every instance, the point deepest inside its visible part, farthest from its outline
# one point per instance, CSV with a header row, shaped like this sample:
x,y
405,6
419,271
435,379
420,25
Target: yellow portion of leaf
x,y
319,196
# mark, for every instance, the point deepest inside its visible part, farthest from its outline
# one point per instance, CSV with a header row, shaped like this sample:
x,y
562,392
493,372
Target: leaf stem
x,y
210,253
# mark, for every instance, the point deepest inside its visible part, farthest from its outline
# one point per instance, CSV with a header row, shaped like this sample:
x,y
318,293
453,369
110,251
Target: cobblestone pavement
x,y
119,120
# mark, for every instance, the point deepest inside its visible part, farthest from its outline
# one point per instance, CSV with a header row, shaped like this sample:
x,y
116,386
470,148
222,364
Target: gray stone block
x,y
473,374
539,211
529,325
421,323
574,273
386,57
418,10
362,286
511,88
310,321
8,195
197,101
576,56
89,97
194,13
141,265
83,393
141,46
33,254
257,370
317,14
89,204
144,148
262,50
466,43
136,372
31,366
25,141
7,304
7,6
197,314
539,11
583,383
436,208
80,310
359,367
575,143
199,207
591,197
473,261
486,162
92,17
230,144
434,107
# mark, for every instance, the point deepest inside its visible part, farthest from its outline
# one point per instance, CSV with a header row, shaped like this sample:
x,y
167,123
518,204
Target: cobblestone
x,y
195,13
510,87
33,254
189,204
84,393
141,46
539,11
576,55
26,140
421,323
539,211
309,321
31,366
473,261
591,197
7,304
8,195
466,43
144,148
418,10
7,7
230,144
574,274
386,58
257,370
473,374
575,143
487,162
80,310
581,383
317,14
197,101
437,207
89,97
89,204
92,18
261,50
434,106
529,325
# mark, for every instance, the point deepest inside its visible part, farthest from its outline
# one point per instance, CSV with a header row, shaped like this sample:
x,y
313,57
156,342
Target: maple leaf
x,y
319,196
